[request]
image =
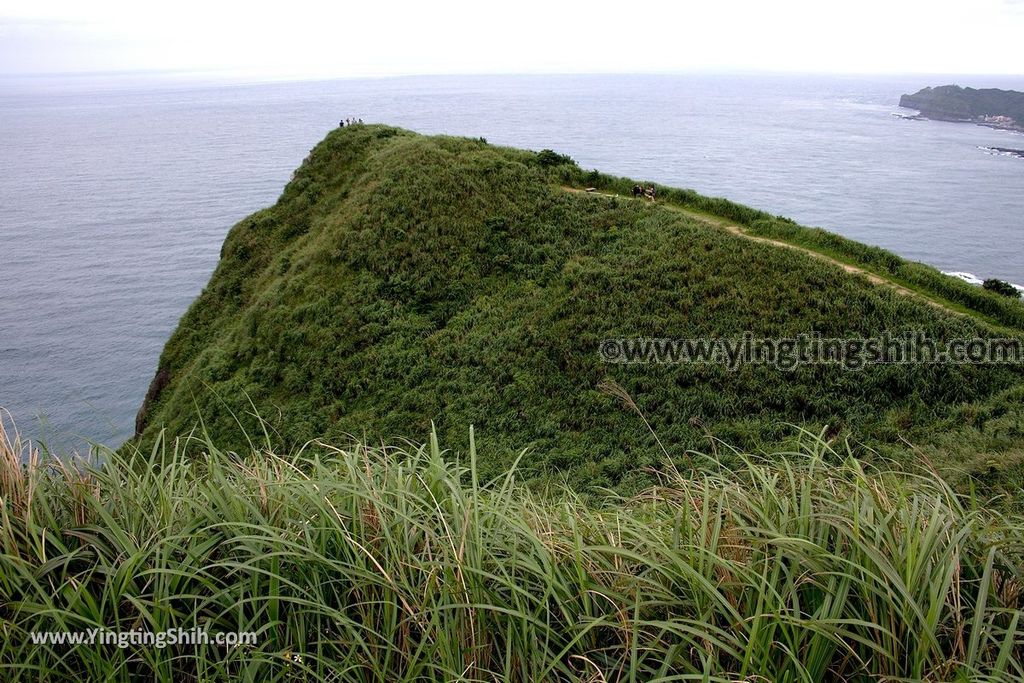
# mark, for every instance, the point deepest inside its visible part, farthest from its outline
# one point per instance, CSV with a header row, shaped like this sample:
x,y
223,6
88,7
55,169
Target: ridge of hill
x,y
402,281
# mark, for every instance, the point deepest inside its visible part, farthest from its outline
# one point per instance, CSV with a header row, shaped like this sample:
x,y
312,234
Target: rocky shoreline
x,y
997,122
1004,151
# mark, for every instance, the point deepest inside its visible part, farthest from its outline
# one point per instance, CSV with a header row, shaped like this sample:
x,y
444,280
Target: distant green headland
x,y
987,107
402,281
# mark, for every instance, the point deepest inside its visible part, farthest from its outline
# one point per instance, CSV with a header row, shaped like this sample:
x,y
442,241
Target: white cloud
x,y
462,36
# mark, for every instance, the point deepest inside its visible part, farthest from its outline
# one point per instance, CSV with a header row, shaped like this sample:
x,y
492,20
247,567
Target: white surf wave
x,y
969,278
973,279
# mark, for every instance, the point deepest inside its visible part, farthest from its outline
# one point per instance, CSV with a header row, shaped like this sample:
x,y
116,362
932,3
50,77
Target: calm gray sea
x,y
116,192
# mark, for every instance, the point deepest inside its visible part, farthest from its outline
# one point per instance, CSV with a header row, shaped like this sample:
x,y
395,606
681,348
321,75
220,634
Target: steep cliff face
x,y
953,103
402,280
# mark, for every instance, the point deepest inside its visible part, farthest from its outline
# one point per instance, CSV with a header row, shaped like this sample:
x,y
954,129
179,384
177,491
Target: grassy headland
x,y
403,280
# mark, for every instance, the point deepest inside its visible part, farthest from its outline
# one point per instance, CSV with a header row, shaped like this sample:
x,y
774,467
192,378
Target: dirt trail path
x,y
874,278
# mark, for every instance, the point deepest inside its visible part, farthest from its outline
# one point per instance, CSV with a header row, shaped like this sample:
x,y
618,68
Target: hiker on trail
x,y
341,124
637,191
651,192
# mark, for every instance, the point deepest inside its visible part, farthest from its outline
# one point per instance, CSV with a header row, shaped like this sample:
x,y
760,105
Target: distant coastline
x,y
991,107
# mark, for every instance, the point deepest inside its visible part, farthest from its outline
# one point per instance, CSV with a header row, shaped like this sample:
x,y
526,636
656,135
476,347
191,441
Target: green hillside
x,y
402,280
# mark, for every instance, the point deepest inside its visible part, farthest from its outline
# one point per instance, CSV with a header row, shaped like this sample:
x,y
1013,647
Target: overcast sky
x,y
390,37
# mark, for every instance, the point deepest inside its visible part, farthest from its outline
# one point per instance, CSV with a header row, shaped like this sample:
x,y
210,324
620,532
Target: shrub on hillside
x,y
548,158
1001,287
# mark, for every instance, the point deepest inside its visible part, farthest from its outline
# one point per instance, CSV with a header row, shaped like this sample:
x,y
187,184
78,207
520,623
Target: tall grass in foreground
x,y
388,564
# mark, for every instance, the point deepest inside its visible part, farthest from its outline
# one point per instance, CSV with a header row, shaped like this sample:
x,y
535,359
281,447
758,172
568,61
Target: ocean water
x,y
116,192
